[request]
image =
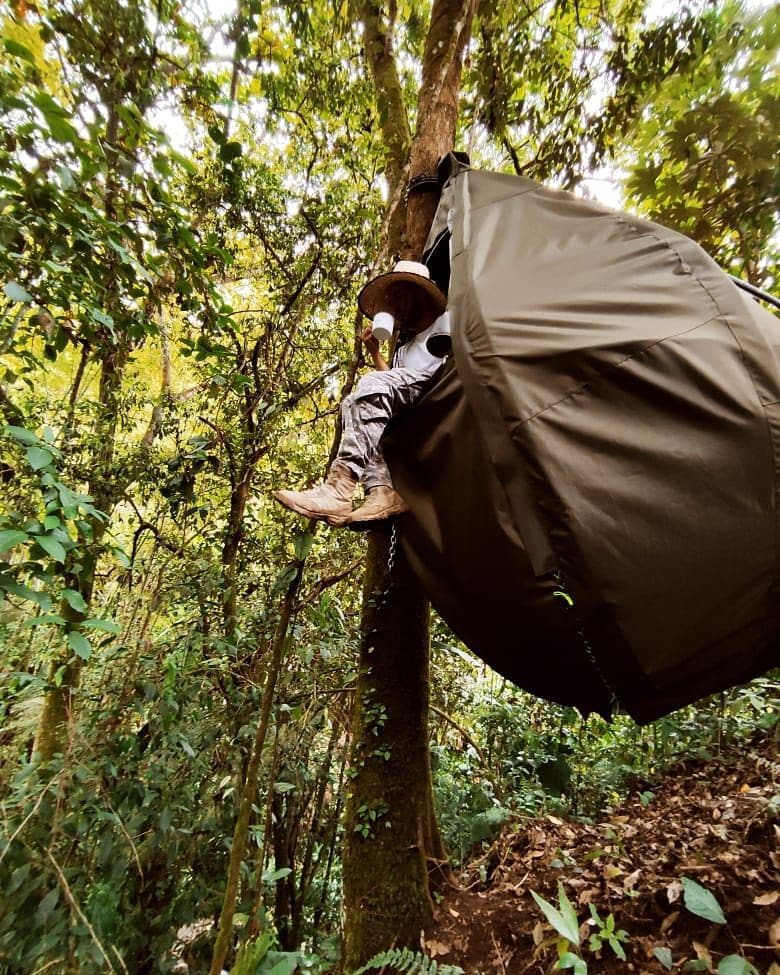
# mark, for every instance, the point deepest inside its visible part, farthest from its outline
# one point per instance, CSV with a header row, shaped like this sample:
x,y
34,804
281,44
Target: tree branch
x,y
393,117
321,585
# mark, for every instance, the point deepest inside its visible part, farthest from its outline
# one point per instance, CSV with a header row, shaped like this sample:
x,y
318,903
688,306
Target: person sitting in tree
x,y
407,299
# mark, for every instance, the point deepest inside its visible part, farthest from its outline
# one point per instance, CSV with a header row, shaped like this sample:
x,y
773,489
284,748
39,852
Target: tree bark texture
x,y
393,118
392,842
437,109
386,895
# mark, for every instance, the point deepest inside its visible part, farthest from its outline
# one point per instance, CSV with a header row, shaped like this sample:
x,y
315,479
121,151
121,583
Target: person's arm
x,y
372,347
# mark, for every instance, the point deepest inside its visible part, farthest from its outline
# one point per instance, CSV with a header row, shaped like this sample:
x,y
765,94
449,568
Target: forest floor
x,y
713,822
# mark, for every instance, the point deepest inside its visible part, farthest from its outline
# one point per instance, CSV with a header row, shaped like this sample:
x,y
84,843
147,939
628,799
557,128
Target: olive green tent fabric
x,y
593,480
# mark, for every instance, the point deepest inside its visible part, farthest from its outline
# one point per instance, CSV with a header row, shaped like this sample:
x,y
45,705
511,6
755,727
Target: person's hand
x,y
370,341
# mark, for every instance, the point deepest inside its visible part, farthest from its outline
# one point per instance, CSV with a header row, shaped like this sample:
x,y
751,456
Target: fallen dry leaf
x,y
435,948
673,891
674,837
630,882
669,921
703,953
764,900
588,896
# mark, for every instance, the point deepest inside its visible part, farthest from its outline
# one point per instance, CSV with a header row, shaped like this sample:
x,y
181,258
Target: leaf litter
x,y
709,839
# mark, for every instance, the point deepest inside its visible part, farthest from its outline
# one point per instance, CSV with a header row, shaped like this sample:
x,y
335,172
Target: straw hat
x,y
407,293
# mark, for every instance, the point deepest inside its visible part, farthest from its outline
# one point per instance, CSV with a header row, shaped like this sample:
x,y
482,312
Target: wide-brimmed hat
x,y
407,293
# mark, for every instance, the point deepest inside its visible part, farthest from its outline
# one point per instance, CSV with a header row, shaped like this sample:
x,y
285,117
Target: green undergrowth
x,y
526,757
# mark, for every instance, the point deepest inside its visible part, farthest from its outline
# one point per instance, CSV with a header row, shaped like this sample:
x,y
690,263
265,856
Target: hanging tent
x,y
592,476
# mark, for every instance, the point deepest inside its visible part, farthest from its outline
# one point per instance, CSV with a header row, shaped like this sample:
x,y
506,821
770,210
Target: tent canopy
x,y
593,475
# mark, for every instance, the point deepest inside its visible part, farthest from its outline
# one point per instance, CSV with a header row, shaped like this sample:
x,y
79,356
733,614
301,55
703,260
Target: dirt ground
x,y
715,822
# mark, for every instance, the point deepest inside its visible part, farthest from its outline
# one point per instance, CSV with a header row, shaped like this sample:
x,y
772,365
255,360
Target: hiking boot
x,y
381,503
333,499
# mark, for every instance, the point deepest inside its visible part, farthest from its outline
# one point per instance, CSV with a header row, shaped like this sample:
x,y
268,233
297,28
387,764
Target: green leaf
x,y
107,626
17,878
16,292
699,901
38,457
68,183
187,747
46,618
734,965
271,876
42,599
19,50
185,162
11,537
664,955
101,318
302,544
79,644
48,903
617,947
556,918
569,914
75,600
52,547
61,129
569,960
279,963
21,435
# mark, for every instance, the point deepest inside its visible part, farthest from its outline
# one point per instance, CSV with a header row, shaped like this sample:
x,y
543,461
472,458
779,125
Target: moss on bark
x,y
388,806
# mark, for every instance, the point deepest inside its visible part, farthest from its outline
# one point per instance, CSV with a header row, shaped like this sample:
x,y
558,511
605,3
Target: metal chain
x,y
384,594
392,552
585,643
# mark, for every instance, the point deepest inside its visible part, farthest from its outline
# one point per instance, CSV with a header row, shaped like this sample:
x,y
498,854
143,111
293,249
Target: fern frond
x,y
407,962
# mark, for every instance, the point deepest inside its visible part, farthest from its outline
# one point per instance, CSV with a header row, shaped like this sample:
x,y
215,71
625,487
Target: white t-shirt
x,y
415,355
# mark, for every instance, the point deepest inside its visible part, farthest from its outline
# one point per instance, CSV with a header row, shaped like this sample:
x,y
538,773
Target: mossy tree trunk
x,y
392,845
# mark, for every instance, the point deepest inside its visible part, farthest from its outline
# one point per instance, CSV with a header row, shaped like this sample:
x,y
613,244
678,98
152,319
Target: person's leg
x,y
364,415
363,418
377,473
384,396
382,500
330,500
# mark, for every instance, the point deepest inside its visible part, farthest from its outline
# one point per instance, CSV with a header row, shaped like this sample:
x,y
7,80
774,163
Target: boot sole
x,y
364,524
301,509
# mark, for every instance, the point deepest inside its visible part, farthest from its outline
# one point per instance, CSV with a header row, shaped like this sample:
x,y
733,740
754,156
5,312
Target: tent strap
x,y
755,292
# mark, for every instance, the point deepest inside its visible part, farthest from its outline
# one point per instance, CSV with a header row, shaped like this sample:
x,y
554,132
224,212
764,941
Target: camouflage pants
x,y
364,416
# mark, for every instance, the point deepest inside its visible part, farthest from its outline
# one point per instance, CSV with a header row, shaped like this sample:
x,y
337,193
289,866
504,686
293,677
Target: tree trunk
x,y
392,843
234,535
386,893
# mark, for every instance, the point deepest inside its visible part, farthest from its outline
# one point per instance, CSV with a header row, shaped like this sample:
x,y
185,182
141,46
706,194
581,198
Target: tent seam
x,y
611,367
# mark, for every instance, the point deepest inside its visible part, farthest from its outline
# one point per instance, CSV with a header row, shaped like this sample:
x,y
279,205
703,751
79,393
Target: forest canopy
x,y
190,200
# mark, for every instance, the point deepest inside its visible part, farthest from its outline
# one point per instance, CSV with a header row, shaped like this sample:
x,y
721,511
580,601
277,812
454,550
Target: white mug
x,y
382,326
